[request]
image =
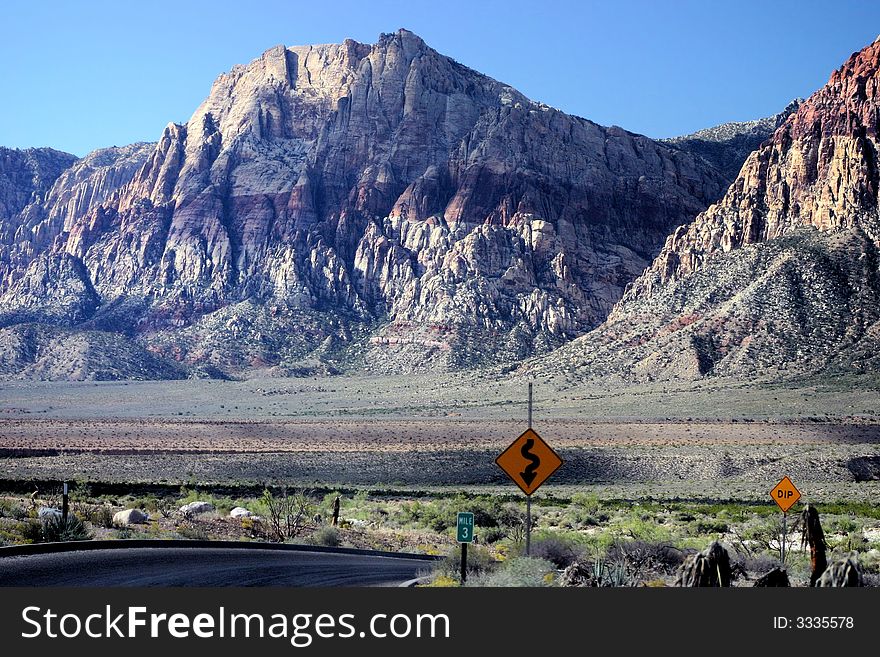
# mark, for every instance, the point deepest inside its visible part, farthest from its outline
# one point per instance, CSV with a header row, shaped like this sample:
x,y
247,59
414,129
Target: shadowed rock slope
x,y
727,146
781,276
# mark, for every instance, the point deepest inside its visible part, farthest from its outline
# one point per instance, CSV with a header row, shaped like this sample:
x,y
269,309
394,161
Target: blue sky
x,y
81,75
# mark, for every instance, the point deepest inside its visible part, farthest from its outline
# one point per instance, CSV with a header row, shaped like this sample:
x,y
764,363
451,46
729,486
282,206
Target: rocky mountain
x,y
74,188
727,146
332,205
781,275
25,176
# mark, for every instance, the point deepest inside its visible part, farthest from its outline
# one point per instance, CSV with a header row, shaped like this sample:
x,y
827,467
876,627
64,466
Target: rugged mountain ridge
x,y
26,175
77,186
781,275
727,146
376,200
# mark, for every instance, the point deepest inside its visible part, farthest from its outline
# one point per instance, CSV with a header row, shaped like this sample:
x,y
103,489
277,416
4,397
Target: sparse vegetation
x,y
633,500
53,529
287,513
520,571
623,544
98,514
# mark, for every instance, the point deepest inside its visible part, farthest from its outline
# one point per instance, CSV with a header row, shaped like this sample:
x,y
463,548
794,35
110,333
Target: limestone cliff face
x,y
384,185
782,275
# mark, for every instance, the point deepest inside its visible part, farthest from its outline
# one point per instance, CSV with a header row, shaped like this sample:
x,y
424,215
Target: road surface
x,y
169,566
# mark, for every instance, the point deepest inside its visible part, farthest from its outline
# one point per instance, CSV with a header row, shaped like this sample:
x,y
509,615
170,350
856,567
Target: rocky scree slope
x,y
379,205
781,276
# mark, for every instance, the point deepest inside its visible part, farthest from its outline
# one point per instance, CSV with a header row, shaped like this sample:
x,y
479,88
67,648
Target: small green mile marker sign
x,y
465,527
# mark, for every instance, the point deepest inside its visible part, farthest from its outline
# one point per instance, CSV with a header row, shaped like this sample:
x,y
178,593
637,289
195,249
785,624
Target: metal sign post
x,y
530,404
784,534
464,562
786,495
529,495
465,535
529,461
64,503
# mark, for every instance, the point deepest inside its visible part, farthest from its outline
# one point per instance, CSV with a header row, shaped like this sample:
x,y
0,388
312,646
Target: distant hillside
x,y
727,146
781,277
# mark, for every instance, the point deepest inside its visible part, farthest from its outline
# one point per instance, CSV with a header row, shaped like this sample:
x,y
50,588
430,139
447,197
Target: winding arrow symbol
x,y
528,475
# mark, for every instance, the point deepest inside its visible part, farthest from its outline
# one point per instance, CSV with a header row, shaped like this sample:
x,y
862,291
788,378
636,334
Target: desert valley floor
x,y
712,440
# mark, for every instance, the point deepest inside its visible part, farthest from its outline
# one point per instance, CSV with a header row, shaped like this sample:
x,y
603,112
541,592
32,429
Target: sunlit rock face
x,y
379,196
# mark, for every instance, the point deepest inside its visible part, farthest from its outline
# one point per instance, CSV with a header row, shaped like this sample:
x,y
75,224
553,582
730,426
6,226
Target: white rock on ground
x,y
130,517
240,512
195,508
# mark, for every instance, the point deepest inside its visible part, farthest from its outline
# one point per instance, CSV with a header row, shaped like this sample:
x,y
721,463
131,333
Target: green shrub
x,y
144,503
519,571
709,526
853,541
640,526
9,509
440,515
478,561
31,531
841,525
53,530
328,536
193,533
432,515
605,573
99,516
442,581
558,550
643,559
870,563
585,510
491,534
588,502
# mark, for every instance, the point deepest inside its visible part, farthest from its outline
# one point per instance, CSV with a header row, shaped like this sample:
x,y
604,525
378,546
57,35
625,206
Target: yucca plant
x,y
618,576
56,529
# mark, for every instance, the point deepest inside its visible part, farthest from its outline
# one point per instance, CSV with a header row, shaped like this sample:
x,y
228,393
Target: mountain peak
x,y
401,35
378,202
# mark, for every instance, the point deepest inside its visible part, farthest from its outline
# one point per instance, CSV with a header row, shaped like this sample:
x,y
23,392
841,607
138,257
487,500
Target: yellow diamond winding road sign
x,y
785,494
529,461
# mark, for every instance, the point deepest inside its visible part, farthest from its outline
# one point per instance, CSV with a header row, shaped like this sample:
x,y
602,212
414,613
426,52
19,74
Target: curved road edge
x,y
123,544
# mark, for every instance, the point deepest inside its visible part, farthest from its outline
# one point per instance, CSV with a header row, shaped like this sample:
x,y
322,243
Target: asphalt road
x,y
206,567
